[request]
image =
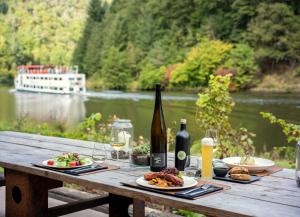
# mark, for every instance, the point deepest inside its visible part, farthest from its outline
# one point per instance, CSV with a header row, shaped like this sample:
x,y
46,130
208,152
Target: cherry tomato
x,y
72,164
77,163
50,162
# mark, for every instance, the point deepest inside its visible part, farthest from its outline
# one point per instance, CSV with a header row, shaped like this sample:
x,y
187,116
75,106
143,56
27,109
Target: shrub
x,y
214,107
150,75
242,60
292,131
200,63
212,55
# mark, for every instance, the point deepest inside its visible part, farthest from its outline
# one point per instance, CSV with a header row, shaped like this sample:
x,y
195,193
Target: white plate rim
x,y
269,163
55,167
142,182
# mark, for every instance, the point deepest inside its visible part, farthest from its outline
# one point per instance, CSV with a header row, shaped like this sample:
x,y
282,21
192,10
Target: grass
x,y
1,170
285,164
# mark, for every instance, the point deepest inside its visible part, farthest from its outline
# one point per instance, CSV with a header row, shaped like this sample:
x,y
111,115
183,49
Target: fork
x,y
203,187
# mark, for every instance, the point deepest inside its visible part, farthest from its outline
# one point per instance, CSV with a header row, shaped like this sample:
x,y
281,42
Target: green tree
x,y
200,63
87,52
115,70
275,33
242,60
150,75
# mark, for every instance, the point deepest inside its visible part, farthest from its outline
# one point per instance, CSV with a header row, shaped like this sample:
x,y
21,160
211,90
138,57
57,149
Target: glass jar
x,y
298,164
121,139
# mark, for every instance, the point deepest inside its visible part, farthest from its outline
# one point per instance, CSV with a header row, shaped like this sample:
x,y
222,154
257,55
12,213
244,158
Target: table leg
x,y
118,206
27,195
138,208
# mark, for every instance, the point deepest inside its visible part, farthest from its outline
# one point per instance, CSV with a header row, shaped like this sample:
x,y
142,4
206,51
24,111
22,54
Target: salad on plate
x,y
68,160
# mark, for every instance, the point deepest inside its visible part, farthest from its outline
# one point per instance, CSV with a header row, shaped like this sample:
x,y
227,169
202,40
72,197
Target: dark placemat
x,y
95,169
228,179
218,188
267,172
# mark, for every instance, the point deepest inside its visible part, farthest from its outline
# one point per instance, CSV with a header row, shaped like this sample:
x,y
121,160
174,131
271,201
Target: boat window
x,y
71,79
60,88
60,79
71,89
79,79
81,89
55,78
55,88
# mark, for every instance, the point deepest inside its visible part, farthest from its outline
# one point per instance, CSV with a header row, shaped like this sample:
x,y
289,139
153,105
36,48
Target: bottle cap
x,y
207,141
183,121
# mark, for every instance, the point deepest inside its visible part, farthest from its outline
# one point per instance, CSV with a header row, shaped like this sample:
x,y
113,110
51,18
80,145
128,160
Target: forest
x,y
123,44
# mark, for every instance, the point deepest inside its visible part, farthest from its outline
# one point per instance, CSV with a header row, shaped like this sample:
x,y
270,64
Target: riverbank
x,y
287,82
281,82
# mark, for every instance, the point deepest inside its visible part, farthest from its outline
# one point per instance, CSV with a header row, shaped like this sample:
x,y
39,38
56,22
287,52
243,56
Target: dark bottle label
x,y
158,160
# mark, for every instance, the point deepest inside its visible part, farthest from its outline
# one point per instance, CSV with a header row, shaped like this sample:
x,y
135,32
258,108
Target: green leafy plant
x,y
150,75
292,131
214,107
200,63
242,60
141,149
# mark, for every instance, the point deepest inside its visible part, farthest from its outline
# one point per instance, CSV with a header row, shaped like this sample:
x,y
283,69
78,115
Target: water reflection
x,y
65,109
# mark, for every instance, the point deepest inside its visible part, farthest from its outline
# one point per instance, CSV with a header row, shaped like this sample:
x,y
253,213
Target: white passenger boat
x,y
50,79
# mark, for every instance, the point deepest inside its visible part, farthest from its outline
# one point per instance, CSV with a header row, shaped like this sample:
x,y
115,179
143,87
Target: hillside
x,y
39,32
133,44
181,43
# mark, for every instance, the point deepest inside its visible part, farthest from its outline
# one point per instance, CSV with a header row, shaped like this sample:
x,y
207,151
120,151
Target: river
x,y
138,107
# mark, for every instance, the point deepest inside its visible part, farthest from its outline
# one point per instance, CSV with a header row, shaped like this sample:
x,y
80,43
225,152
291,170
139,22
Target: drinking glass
x,y
99,154
192,170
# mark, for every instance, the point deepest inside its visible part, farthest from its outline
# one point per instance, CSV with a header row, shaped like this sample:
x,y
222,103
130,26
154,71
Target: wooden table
x,y
27,186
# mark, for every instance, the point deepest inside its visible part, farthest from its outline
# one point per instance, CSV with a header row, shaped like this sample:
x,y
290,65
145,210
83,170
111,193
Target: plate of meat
x,y
168,179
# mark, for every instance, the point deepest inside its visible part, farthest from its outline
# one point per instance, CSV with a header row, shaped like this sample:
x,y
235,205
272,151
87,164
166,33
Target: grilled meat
x,y
174,179
169,174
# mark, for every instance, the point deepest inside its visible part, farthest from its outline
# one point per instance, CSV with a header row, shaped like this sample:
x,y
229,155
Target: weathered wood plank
x,y
37,137
76,206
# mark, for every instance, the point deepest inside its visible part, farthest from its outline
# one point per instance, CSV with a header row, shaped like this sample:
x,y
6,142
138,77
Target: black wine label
x,y
158,160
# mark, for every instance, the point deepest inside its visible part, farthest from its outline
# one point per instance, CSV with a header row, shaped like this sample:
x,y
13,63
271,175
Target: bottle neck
x,y
182,127
157,97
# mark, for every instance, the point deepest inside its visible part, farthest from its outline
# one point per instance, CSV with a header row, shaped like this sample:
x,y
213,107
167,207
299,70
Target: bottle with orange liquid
x,y
207,157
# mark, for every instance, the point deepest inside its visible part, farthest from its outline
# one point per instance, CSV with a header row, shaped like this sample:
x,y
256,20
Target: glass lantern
x,y
121,139
298,164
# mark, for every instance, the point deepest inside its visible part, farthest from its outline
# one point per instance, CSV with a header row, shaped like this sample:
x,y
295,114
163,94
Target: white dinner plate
x,y
65,168
188,183
260,163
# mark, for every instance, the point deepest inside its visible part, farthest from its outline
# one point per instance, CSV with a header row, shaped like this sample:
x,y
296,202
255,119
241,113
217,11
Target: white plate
x,y
188,183
65,168
260,163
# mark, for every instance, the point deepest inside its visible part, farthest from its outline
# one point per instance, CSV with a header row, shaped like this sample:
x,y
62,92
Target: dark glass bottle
x,y
158,150
182,147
